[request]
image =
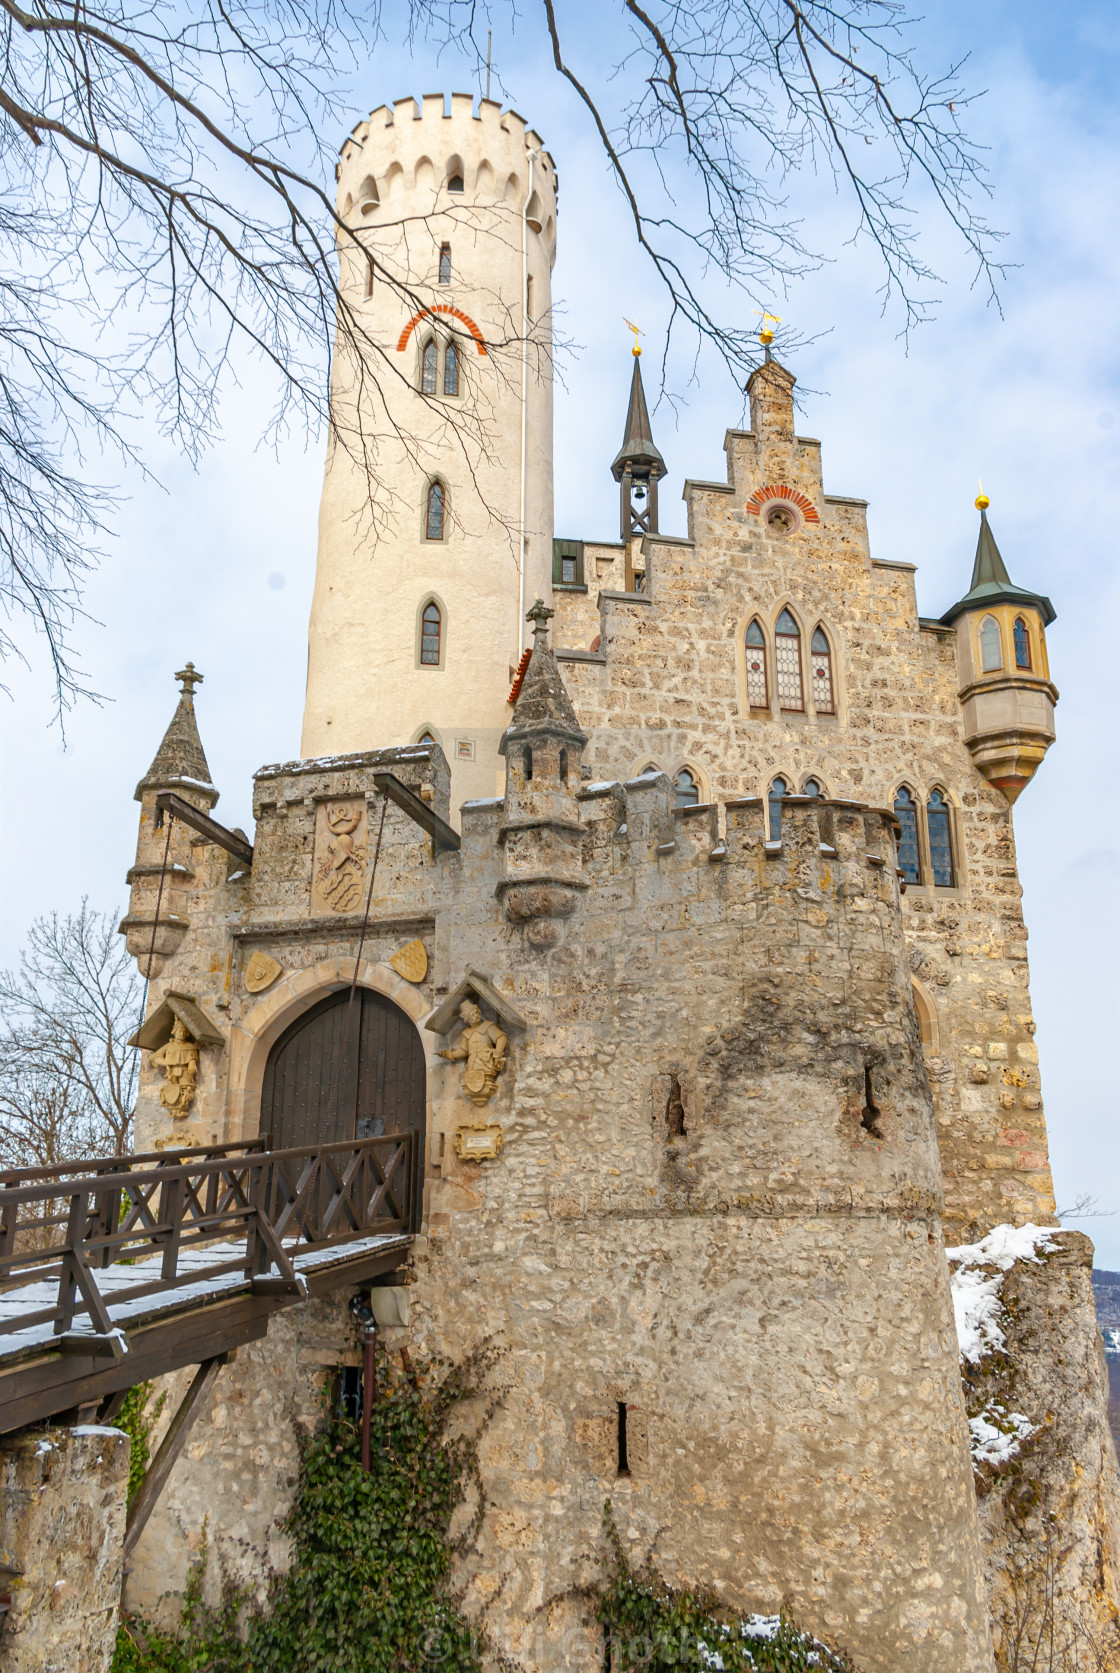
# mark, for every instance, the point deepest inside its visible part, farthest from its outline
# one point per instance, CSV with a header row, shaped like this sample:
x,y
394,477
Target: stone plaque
x,y
411,961
478,1144
339,873
260,972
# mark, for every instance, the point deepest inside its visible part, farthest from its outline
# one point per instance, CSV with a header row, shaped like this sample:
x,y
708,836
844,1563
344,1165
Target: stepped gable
x,y
181,755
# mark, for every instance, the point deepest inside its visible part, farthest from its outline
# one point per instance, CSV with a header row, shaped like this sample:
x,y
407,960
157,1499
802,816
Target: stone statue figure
x,y
179,1061
483,1046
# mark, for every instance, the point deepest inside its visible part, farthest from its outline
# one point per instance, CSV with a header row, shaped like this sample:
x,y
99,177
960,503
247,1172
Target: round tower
x,y
435,527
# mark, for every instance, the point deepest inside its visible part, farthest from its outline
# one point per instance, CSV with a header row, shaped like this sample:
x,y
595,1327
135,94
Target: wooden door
x,y
331,1077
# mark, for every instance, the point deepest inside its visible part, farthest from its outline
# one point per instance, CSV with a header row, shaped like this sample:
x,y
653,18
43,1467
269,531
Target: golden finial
x,y
982,500
766,336
638,332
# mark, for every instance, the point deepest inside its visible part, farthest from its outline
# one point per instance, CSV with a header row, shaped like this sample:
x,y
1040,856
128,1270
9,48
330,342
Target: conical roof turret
x,y
991,583
543,704
638,452
180,758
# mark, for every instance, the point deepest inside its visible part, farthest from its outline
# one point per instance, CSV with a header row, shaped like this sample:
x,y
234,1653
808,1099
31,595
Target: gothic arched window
x,y
433,524
909,855
787,662
939,827
455,184
812,787
820,662
445,264
1022,644
687,789
758,687
430,365
991,645
451,370
431,634
778,789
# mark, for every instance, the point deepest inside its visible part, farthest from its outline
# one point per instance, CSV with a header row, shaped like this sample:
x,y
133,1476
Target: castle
x,y
708,999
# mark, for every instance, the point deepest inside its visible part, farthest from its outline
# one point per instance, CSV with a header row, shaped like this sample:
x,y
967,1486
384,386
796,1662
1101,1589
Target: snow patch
x,y
95,1429
996,1434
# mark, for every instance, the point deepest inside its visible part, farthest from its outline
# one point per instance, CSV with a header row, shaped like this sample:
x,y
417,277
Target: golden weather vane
x,y
982,500
766,336
637,330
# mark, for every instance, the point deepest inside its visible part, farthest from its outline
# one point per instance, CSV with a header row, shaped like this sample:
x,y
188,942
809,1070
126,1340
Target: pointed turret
x,y
638,465
1006,694
180,760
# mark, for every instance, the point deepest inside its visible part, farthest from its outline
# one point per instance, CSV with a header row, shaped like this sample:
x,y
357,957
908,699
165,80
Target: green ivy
x,y
368,1590
138,1424
653,1626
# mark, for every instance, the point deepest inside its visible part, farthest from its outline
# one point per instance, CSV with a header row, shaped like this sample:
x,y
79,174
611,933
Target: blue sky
x,y
217,565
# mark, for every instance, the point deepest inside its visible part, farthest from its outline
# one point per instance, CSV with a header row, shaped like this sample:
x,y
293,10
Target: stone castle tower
x,y
435,531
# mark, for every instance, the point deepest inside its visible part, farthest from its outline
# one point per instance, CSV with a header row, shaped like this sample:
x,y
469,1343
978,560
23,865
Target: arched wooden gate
x,y
330,1077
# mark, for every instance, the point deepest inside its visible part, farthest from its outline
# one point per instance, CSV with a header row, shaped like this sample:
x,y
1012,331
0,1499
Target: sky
x,y
216,564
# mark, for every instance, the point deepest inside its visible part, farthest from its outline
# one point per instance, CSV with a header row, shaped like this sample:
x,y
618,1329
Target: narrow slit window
x,y
436,511
820,662
430,367
869,1120
758,687
369,277
623,1461
528,764
529,297
686,788
563,766
1022,644
939,826
909,858
431,633
787,663
674,1109
451,370
991,645
778,789
445,264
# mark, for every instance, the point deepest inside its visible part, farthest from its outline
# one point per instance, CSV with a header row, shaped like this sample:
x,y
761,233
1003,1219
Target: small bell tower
x,y
1006,692
638,466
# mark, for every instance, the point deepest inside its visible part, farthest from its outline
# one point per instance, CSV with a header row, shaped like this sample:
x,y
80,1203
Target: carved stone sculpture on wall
x,y
261,970
482,1048
340,856
179,1061
411,961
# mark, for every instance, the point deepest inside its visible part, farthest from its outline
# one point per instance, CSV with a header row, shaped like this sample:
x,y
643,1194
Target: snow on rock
x,y
996,1434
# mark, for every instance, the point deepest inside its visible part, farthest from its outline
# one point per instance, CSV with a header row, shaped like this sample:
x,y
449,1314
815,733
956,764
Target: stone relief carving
x,y
340,856
260,972
482,1048
411,961
179,1061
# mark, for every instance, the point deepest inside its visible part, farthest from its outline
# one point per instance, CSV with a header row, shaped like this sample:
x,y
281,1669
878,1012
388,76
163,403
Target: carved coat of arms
x,y
340,856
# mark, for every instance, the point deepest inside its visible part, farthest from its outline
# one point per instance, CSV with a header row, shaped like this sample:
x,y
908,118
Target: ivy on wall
x,y
137,1423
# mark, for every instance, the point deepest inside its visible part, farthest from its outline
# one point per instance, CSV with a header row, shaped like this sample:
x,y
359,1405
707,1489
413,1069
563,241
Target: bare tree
x,y
165,168
67,1074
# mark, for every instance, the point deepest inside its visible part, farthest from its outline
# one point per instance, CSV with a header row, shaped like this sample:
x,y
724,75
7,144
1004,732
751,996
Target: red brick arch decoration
x,y
779,491
441,308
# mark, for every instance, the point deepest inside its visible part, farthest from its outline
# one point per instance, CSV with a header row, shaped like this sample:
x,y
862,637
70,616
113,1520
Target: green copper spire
x,y
991,583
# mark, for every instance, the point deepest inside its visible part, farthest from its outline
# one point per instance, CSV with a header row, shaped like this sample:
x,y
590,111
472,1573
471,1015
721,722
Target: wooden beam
x,y
161,1466
240,847
419,812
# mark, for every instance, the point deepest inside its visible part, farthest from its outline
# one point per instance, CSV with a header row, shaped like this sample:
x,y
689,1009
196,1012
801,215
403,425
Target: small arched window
x,y
445,264
758,686
991,645
939,826
812,787
430,365
427,737
451,370
1022,644
787,662
820,662
778,789
433,526
686,788
909,855
455,183
431,634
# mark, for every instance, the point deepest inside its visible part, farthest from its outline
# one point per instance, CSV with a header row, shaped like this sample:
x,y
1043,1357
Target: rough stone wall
x,y
62,1509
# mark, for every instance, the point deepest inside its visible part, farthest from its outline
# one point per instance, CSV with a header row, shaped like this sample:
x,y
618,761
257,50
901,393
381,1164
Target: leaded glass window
x,y
687,789
431,624
451,370
430,361
820,665
778,789
758,689
445,264
909,857
991,645
434,525
787,662
940,840
1022,644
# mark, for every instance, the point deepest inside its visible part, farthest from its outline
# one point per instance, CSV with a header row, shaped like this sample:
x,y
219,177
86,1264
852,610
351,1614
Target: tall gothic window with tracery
x,y
451,370
787,662
445,264
430,366
686,788
1022,644
431,629
778,789
758,687
939,827
991,645
433,527
820,664
909,854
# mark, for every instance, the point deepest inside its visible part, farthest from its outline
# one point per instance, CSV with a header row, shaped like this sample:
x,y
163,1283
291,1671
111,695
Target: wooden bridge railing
x,y
60,1227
